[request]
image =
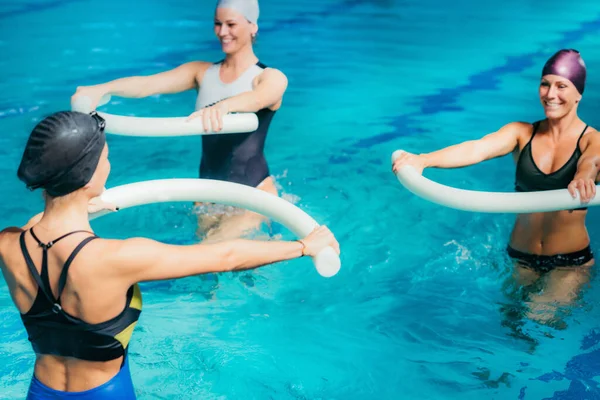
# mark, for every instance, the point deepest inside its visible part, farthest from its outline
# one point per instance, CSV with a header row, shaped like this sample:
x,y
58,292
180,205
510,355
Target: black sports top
x,y
530,178
52,331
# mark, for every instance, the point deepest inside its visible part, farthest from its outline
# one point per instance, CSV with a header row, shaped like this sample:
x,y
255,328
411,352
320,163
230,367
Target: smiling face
x,y
233,30
558,96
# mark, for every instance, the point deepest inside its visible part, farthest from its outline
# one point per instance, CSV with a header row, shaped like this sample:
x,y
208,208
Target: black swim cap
x,y
62,152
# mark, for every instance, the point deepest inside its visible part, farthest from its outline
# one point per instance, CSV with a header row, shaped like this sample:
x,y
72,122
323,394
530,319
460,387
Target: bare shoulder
x,y
126,249
591,132
196,68
102,259
9,233
274,81
196,65
7,237
590,138
124,254
519,127
200,65
273,73
110,250
519,130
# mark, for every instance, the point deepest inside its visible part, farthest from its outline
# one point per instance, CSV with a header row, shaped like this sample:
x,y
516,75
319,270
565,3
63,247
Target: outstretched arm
x,y
493,145
137,260
173,81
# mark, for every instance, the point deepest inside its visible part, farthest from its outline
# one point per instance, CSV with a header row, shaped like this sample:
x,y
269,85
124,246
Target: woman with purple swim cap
x,y
238,83
558,152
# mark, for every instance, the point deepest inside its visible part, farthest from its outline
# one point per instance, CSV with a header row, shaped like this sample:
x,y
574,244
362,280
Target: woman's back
x,y
80,342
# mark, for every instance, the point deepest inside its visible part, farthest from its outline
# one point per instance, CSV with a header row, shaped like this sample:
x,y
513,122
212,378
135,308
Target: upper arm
x,y
502,142
3,235
182,78
270,86
139,259
592,145
2,238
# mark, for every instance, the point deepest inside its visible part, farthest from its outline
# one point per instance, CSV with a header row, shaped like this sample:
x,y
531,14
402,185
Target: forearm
x,y
247,254
456,156
132,87
588,168
141,260
245,102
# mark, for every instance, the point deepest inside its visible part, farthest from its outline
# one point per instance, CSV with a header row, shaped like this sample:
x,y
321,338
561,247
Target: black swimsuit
x,y
530,178
235,157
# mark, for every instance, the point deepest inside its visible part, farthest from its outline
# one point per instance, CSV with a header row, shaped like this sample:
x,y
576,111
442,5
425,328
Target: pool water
x,y
422,306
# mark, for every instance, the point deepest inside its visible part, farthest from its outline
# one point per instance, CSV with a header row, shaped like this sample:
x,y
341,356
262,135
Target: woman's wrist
x,y
108,88
425,160
225,106
303,248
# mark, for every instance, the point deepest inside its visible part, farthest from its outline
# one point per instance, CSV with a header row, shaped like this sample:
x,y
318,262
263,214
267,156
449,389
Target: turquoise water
x,y
419,309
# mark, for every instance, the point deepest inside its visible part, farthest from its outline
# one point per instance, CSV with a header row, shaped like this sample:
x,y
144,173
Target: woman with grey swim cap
x,y
239,83
78,294
558,152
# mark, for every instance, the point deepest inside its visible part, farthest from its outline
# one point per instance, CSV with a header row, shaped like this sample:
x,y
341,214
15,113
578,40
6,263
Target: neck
x,y
563,126
241,60
65,215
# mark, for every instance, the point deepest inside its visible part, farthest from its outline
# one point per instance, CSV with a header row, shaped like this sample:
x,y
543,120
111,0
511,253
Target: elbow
x,y
482,152
596,167
142,87
145,88
229,259
258,103
589,166
263,99
480,157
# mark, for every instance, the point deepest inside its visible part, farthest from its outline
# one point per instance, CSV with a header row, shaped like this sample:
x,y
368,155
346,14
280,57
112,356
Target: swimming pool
x,y
419,309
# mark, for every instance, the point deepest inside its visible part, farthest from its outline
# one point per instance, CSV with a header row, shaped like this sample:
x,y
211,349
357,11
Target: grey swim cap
x,y
248,8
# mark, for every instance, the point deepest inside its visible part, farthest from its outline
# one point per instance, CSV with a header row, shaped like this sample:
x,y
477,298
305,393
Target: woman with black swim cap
x,y
558,152
78,294
238,83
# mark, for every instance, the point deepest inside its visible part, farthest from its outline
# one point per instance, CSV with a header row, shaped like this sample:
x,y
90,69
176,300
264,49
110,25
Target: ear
x,y
91,191
253,29
88,185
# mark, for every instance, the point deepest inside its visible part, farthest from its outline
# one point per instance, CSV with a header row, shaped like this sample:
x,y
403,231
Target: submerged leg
x,y
235,226
561,287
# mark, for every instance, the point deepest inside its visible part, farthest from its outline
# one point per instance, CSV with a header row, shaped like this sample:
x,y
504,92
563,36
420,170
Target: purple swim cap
x,y
569,65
